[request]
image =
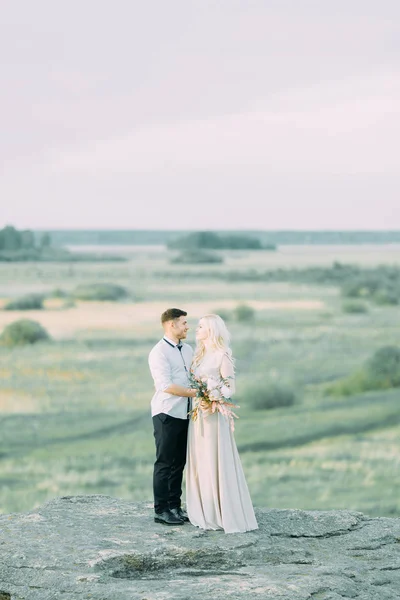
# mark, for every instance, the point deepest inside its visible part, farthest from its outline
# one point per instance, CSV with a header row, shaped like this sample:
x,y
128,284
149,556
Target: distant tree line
x,y
24,245
380,284
160,238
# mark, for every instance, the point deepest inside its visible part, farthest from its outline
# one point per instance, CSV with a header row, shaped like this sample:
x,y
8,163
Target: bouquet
x,y
212,396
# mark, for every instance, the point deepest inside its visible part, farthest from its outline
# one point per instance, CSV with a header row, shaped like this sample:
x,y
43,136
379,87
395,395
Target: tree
x,y
45,240
27,239
11,239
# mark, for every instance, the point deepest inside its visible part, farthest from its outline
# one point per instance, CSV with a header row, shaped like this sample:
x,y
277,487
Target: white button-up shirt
x,y
169,365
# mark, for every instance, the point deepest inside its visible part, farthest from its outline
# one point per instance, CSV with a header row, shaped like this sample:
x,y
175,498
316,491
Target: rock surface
x,y
103,548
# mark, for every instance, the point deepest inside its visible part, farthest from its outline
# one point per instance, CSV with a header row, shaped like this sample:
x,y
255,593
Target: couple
x,y
217,496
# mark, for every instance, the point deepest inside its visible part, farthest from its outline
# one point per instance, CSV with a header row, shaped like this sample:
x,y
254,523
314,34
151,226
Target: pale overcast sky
x,y
189,114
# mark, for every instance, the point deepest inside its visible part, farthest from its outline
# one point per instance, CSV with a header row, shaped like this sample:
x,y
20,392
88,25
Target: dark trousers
x,y
171,440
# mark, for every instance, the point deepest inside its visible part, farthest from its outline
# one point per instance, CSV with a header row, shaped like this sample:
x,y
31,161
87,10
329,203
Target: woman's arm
x,y
228,372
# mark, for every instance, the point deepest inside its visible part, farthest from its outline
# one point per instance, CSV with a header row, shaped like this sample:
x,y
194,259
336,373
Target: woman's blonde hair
x,y
218,337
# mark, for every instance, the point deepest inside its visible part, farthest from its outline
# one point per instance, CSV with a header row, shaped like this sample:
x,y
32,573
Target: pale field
x,y
133,319
285,256
139,273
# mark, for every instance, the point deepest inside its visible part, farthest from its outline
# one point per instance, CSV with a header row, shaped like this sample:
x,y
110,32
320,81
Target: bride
x,y
217,496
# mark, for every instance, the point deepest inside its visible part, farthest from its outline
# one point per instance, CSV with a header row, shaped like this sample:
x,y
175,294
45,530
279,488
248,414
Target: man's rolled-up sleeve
x,y
160,370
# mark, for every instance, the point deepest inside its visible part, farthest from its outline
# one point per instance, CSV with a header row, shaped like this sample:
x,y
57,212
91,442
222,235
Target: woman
x,y
217,496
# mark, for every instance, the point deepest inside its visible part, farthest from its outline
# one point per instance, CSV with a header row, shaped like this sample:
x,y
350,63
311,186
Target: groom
x,y
169,363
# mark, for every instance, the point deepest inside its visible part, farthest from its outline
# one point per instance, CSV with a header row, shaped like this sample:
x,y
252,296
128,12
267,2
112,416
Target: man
x,y
169,363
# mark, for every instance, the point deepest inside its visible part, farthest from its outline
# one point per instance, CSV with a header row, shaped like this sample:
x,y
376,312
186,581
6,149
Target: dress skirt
x,y
217,496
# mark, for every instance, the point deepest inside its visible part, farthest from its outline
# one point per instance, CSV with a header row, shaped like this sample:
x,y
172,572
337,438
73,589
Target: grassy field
x,y
74,412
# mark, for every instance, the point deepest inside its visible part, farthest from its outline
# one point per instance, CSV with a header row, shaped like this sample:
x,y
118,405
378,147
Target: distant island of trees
x,y
209,240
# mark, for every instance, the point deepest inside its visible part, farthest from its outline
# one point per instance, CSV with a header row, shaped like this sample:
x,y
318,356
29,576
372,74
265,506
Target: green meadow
x,y
75,410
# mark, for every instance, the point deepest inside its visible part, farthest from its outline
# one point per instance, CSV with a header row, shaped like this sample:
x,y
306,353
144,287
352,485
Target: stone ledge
x,y
103,548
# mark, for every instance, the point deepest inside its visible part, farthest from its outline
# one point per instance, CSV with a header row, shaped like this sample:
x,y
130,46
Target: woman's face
x,y
201,331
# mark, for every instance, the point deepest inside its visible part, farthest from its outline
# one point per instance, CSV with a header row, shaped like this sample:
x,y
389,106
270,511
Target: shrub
x,y
354,307
196,257
58,293
359,288
382,285
383,368
226,315
28,302
68,303
21,255
23,332
387,296
244,313
356,383
100,291
50,254
270,395
380,372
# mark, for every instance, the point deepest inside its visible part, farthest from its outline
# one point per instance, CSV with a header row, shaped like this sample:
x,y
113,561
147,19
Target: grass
x,y
74,414
356,472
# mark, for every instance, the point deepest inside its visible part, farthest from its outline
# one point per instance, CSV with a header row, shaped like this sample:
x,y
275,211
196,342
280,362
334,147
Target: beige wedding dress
x,y
217,496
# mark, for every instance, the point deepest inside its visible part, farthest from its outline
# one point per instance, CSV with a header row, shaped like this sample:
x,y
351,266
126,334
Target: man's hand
x,y
179,390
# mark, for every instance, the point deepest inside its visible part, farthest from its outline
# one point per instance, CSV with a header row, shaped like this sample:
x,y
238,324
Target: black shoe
x,y
167,517
180,514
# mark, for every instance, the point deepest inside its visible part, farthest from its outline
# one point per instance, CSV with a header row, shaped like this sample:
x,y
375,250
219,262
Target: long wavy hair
x,y
218,338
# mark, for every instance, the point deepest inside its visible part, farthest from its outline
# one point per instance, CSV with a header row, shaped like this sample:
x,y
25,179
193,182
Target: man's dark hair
x,y
172,313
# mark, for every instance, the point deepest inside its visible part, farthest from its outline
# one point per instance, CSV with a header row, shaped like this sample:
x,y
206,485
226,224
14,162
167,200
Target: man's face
x,y
181,327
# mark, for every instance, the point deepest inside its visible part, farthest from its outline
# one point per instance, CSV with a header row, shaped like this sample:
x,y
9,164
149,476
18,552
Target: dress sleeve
x,y
228,372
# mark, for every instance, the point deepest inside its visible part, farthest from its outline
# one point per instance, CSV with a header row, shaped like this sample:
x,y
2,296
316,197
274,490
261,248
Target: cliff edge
x,y
103,548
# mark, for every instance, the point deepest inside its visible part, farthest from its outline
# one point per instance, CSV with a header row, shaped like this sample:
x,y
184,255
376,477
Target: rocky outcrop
x,y
102,548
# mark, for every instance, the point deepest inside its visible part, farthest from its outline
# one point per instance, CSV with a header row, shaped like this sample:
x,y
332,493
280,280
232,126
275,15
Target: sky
x,y
200,114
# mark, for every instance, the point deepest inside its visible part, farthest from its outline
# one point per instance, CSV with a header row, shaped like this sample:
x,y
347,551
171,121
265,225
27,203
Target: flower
x,y
212,383
212,396
225,391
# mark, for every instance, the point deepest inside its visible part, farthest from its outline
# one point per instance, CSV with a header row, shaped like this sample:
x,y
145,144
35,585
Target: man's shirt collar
x,y
167,339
